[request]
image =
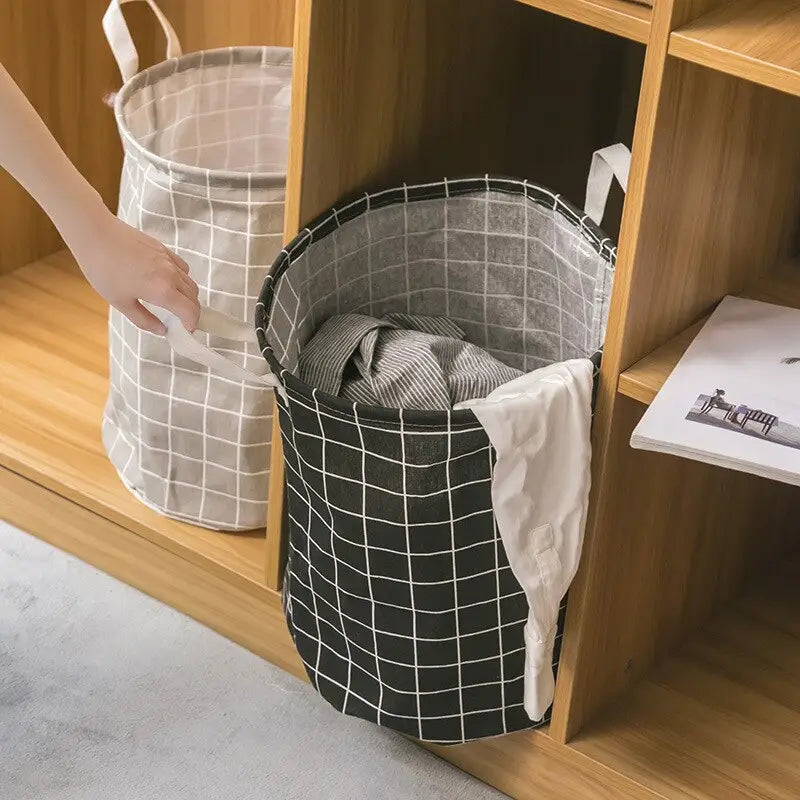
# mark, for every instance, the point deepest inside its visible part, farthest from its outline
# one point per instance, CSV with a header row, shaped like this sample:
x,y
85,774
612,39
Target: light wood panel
x,y
582,115
205,24
398,91
276,531
57,53
645,378
722,204
277,543
758,40
721,720
689,534
532,766
577,695
53,385
711,207
255,622
415,90
620,17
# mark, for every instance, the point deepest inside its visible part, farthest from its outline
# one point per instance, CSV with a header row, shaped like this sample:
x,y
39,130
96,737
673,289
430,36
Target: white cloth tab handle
x,y
609,163
217,324
121,43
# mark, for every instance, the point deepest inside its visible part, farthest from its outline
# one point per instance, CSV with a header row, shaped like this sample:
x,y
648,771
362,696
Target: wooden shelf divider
x,y
620,17
645,378
758,40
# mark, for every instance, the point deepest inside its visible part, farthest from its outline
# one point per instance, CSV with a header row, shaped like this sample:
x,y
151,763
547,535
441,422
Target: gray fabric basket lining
x,y
520,278
217,116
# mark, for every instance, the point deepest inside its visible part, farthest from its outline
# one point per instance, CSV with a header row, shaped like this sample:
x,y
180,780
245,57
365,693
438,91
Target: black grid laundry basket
x,y
398,591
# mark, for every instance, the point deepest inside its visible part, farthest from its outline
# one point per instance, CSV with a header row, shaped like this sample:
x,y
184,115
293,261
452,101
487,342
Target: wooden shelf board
x,y
53,384
721,719
620,17
758,40
645,378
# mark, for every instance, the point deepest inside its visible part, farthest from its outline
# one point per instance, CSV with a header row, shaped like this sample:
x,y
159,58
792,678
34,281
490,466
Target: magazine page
x,y
734,398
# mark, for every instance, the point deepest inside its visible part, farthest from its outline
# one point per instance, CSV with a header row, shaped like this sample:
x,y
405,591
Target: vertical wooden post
x,y
712,204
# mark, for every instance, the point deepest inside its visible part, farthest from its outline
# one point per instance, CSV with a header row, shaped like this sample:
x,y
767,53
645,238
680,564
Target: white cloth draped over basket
x,y
188,419
540,428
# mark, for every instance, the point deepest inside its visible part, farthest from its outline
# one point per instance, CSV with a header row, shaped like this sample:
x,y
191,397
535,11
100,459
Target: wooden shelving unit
x,y
645,378
758,40
722,717
678,676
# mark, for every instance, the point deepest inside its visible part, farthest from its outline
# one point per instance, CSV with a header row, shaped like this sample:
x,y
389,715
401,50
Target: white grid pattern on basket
x,y
528,282
423,642
319,569
205,140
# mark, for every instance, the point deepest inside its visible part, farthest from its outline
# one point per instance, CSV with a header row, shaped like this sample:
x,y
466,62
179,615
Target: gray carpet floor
x,y
106,694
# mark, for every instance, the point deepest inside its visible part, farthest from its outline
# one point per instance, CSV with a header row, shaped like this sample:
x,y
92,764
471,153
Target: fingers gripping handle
x,y
217,324
609,163
120,40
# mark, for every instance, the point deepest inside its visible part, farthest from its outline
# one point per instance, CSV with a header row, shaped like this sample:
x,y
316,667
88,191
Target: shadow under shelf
x,y
624,18
720,718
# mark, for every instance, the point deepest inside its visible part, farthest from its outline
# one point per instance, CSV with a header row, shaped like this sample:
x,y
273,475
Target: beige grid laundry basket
x,y
188,419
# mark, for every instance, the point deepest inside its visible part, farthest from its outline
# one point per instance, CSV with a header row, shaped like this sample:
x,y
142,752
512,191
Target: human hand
x,y
125,266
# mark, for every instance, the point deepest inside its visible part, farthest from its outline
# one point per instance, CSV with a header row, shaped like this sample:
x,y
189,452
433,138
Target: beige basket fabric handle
x,y
121,43
217,324
611,162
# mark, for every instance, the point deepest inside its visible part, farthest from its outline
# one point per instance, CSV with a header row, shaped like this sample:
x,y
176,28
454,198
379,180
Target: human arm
x,y
123,264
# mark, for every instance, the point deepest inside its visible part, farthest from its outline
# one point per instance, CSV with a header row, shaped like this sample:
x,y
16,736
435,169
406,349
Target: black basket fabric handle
x,y
608,163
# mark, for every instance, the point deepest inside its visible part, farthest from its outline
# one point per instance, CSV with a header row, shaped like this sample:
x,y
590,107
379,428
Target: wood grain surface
x,y
645,378
710,209
620,17
721,719
53,385
757,40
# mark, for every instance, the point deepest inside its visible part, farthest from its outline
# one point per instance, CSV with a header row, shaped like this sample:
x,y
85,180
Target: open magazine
x,y
734,398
